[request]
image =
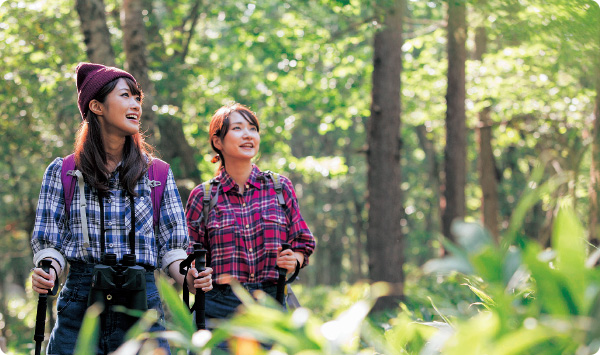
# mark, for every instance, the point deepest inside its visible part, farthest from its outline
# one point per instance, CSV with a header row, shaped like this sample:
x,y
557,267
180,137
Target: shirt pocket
x,y
221,229
274,227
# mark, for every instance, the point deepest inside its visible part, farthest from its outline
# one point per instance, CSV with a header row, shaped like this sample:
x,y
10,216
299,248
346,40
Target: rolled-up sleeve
x,y
302,240
50,227
173,235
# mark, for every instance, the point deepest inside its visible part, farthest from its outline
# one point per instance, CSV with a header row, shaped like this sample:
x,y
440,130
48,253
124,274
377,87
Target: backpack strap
x,y
68,180
207,202
278,187
158,172
68,174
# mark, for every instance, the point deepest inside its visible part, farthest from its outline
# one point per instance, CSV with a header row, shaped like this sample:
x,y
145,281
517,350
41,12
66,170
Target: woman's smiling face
x,y
242,140
121,111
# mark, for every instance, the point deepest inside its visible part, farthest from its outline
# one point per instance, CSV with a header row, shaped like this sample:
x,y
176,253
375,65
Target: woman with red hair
x,y
246,224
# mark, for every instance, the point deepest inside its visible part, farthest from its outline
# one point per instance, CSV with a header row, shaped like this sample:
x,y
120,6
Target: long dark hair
x,y
219,126
90,156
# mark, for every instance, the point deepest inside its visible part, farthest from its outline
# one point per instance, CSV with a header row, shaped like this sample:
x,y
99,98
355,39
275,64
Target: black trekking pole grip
x,y
40,318
199,304
281,279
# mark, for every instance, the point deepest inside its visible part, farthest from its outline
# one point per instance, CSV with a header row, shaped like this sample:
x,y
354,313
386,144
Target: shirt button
x,y
244,204
142,198
250,250
109,200
110,223
110,245
251,275
247,226
247,186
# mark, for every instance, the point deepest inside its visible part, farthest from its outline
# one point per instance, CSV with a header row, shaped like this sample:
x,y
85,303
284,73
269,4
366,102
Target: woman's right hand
x,y
41,281
196,280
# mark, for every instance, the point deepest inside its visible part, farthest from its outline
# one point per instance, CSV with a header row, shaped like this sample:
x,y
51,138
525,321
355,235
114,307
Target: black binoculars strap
x,y
131,236
102,231
132,230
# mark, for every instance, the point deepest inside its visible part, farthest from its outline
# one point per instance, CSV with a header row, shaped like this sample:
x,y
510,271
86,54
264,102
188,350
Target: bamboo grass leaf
x,y
87,341
182,317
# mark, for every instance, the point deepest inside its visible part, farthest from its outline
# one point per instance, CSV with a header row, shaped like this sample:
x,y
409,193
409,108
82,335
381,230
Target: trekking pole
x,y
40,318
199,304
281,280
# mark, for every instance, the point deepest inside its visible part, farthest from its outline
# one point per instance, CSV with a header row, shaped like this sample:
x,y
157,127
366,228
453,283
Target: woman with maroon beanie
x,y
109,232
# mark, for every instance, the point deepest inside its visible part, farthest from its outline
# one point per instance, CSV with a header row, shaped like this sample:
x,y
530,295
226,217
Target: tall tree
x,y
594,216
487,163
594,190
134,44
92,17
173,145
432,212
488,177
455,153
383,156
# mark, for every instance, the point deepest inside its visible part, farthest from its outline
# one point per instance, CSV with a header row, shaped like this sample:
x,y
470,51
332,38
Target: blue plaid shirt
x,y
59,236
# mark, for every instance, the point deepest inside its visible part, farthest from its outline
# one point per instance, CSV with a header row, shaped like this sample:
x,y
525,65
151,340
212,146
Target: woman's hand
x,y
287,259
201,280
41,281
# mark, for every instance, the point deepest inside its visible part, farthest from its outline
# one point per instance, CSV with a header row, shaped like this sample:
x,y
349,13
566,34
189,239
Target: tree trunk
x,y
480,42
169,136
432,215
95,31
134,43
383,157
455,154
487,163
176,150
487,174
594,236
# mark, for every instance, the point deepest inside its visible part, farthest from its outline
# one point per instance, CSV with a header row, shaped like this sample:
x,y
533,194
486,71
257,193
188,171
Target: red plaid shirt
x,y
244,230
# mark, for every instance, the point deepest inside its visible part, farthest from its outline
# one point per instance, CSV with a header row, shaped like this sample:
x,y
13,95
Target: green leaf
x,y
488,301
553,292
529,199
568,239
521,340
87,341
182,318
448,265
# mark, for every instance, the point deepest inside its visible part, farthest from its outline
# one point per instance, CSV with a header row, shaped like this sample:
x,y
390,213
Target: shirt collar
x,y
228,183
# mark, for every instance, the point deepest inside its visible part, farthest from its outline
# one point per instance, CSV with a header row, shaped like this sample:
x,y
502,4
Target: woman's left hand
x,y
197,280
286,259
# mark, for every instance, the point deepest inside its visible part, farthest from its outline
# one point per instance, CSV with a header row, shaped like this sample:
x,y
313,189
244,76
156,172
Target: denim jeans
x,y
222,303
71,307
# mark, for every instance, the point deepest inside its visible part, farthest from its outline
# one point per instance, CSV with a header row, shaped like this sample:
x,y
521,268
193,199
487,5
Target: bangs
x,y
135,89
249,117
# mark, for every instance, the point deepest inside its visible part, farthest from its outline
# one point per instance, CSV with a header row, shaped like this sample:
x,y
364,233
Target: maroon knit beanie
x,y
91,78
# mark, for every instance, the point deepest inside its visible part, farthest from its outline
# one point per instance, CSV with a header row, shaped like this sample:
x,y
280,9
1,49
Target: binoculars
x,y
126,281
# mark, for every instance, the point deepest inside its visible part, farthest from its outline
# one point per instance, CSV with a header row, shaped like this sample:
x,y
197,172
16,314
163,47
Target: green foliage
x,y
535,302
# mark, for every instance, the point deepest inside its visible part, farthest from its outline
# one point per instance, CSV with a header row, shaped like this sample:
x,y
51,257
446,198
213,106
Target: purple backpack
x,y
157,174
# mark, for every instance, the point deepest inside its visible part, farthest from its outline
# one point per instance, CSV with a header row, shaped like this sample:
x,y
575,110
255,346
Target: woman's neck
x,y
239,172
113,146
